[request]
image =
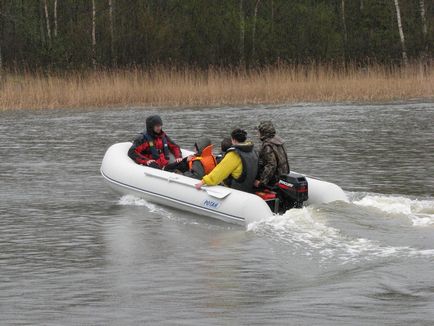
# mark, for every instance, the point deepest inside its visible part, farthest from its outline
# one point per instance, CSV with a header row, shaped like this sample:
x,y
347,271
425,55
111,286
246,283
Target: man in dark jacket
x,y
273,161
153,147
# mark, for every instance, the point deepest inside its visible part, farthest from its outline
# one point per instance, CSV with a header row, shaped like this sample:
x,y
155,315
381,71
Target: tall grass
x,y
189,87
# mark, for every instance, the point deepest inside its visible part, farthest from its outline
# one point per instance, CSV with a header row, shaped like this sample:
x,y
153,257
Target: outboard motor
x,y
289,192
292,190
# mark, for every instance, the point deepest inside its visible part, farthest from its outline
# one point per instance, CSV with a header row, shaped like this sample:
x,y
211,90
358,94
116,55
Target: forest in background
x,y
71,35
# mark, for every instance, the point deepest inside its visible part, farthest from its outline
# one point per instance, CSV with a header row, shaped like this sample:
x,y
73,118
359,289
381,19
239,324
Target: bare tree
x,y
55,18
93,34
424,58
1,64
242,35
255,15
112,47
401,33
344,28
362,5
47,20
424,26
1,40
41,23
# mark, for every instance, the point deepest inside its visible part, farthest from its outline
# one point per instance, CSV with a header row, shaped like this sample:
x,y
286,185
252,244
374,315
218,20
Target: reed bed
x,y
214,87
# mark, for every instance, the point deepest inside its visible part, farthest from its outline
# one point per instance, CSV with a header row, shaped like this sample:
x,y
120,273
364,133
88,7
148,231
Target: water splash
x,y
419,212
130,200
307,232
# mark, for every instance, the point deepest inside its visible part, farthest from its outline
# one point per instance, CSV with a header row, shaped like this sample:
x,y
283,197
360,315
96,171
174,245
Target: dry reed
x,y
174,87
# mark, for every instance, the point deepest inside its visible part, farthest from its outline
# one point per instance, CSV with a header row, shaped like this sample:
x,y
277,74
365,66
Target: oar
x,y
213,191
216,192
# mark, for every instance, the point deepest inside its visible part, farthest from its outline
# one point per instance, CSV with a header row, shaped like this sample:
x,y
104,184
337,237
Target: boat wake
x,y
309,233
131,200
420,212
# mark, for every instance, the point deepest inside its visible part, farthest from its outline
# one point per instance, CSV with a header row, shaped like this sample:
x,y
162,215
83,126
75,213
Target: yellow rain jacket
x,y
231,165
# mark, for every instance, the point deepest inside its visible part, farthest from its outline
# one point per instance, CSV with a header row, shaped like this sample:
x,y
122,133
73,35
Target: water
x,y
74,253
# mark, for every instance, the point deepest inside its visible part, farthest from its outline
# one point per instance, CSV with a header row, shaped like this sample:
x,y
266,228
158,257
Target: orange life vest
x,y
207,160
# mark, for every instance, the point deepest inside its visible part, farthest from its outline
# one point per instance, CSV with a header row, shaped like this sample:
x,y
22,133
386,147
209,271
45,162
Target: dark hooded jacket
x,y
273,161
151,146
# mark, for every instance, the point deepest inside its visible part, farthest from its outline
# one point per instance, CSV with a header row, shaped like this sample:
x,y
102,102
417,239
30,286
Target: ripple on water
x,y
71,252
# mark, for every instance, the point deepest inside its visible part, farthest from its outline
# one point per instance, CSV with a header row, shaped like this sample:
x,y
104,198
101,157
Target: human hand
x,y
256,183
179,159
189,158
150,162
199,185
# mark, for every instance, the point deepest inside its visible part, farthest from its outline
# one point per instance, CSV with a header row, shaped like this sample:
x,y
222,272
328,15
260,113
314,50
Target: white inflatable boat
x,y
178,191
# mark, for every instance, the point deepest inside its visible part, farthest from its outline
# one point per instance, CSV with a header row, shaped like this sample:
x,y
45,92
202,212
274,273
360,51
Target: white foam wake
x,y
306,230
130,200
420,212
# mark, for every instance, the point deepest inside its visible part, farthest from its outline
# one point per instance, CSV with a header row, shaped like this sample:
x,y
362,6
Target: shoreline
x,y
169,88
428,100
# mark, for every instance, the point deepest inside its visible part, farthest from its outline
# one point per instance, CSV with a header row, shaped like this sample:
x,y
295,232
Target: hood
x,y
244,147
266,129
151,122
201,144
276,140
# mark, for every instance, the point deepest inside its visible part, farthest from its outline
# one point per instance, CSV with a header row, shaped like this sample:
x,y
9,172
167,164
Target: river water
x,y
74,253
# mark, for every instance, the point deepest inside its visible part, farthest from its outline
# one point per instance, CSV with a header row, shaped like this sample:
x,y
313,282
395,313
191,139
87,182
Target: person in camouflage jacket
x,y
273,161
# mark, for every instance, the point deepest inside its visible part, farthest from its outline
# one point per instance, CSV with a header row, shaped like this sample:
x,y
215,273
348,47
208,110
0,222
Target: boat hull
x,y
178,191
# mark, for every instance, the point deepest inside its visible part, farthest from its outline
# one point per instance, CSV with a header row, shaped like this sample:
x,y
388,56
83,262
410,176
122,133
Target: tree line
x,y
81,34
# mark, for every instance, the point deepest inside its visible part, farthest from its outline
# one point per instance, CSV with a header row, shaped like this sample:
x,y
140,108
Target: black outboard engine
x,y
292,191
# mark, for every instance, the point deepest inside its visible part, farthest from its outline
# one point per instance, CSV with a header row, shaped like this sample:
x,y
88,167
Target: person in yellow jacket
x,y
238,168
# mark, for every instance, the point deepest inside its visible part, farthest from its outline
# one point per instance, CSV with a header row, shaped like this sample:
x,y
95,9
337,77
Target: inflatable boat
x,y
178,191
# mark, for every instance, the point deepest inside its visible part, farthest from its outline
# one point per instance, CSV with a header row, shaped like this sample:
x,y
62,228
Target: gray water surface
x,y
74,253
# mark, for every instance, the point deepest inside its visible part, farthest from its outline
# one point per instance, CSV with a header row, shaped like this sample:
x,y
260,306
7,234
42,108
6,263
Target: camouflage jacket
x,y
273,161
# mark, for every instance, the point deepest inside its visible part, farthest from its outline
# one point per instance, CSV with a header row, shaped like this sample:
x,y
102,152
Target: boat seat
x,y
266,194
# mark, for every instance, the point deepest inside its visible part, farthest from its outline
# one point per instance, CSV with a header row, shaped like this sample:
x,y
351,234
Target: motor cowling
x,y
292,190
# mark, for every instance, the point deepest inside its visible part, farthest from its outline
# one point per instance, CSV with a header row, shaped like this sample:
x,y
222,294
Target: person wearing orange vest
x,y
197,165
203,161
